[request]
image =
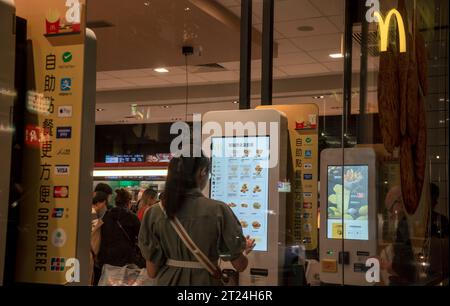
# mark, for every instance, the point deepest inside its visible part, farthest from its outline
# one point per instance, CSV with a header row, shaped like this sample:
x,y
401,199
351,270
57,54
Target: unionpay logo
x,y
67,57
57,264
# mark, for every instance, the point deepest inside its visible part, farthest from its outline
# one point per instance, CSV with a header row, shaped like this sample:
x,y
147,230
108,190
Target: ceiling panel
x,y
294,9
321,26
181,79
285,46
307,69
131,73
148,81
319,42
293,59
329,7
113,84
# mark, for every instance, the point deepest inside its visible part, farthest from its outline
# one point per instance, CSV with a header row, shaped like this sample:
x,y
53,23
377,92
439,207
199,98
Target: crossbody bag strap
x,y
193,248
125,232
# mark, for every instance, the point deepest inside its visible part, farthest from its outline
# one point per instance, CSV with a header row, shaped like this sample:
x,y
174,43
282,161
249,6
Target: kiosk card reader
x,y
247,165
348,236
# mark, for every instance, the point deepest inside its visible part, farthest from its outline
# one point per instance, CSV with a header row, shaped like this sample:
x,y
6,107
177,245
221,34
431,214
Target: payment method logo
x,y
66,84
307,205
307,177
308,140
64,132
57,264
63,152
307,194
308,153
59,238
67,57
306,215
307,166
61,170
65,111
61,192
57,213
307,227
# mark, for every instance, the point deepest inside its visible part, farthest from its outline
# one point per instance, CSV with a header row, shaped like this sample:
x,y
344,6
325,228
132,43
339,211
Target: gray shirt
x,y
212,226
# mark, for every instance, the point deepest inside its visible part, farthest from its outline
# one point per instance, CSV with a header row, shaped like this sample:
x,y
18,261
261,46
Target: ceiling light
x,y
187,9
165,106
336,55
305,28
100,109
235,102
318,97
161,70
437,157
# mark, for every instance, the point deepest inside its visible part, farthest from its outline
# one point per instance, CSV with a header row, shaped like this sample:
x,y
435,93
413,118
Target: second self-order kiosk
x,y
348,235
248,150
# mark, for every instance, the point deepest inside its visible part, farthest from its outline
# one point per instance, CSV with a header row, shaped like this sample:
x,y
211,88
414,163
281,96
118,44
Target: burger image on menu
x,y
259,153
256,205
244,224
256,225
244,205
244,188
246,153
258,170
256,189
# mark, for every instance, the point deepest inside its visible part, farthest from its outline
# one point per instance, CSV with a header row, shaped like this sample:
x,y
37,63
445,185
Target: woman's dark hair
x,y
104,188
100,197
180,179
123,197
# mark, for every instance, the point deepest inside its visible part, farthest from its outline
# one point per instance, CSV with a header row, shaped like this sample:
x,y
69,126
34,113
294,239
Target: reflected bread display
x,y
256,224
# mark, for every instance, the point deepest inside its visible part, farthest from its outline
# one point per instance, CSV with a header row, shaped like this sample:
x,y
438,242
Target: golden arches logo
x,y
384,29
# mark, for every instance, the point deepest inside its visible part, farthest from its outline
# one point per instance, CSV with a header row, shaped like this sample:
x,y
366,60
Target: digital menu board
x,y
240,178
348,200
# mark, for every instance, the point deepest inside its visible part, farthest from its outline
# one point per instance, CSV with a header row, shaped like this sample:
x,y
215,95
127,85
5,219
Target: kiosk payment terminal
x,y
247,165
348,236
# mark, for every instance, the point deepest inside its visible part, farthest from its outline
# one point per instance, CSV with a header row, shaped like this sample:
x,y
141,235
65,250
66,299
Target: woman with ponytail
x,y
211,225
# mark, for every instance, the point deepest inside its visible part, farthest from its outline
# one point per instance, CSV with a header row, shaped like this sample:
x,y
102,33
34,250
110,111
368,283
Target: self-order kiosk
x,y
248,150
348,218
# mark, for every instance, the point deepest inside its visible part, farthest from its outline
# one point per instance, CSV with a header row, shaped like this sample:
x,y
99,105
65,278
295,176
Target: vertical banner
x,y
303,121
47,246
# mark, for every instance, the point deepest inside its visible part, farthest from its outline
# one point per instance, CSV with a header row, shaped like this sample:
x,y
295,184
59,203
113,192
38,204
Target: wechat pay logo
x,y
374,6
373,270
67,57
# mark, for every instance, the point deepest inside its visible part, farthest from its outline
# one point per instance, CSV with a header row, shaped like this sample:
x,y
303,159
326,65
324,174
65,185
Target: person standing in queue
x,y
119,234
103,187
211,225
149,198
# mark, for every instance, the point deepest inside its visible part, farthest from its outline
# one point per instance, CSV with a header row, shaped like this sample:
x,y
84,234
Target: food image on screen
x,y
244,188
256,205
232,205
257,189
250,184
348,201
256,224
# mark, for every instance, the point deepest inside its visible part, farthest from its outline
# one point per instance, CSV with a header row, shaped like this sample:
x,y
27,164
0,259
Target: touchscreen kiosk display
x,y
240,178
348,202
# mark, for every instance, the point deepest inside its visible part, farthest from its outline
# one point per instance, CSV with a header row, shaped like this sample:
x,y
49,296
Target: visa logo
x,y
62,170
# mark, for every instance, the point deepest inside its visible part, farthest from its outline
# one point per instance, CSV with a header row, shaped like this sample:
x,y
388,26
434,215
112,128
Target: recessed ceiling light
x,y
165,106
318,97
336,55
305,28
100,109
187,9
161,70
437,157
235,102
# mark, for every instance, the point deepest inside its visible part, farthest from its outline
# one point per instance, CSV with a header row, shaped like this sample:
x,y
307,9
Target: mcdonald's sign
x,y
384,29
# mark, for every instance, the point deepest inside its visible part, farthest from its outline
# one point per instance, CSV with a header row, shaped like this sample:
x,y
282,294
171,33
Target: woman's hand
x,y
250,244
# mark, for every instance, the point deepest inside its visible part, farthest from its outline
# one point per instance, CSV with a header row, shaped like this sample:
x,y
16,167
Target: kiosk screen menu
x,y
240,178
348,201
